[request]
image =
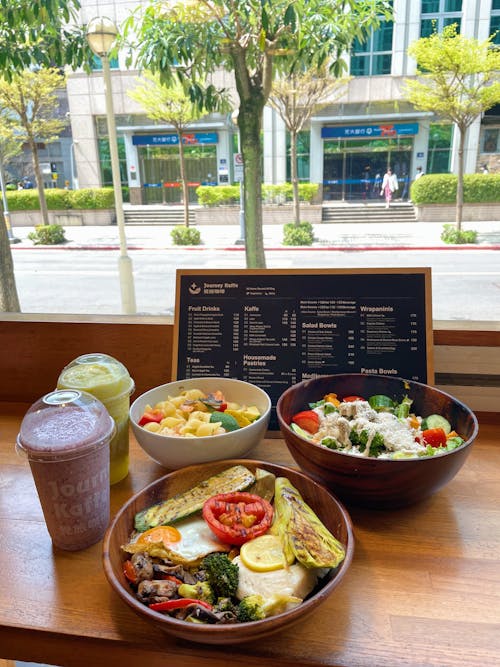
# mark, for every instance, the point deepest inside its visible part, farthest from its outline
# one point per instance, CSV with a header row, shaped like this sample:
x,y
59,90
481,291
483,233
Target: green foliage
x,y
451,234
92,198
47,235
442,189
185,236
59,199
298,235
218,195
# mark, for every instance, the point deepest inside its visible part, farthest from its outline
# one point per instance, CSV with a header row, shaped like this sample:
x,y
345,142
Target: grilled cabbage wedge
x,y
300,530
182,505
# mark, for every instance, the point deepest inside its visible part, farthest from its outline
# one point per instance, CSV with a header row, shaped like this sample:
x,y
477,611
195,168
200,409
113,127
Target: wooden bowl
x,y
329,510
370,482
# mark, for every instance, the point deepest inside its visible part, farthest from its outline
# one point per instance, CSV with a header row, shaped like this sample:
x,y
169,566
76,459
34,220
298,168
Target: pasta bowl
x,y
326,507
377,482
176,451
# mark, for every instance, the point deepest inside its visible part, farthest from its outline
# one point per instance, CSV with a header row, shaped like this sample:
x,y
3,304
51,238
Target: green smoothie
x,y
108,380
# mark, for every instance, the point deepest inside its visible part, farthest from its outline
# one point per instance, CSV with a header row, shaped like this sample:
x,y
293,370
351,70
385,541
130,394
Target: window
x,y
440,141
490,141
374,56
97,63
303,144
437,14
495,22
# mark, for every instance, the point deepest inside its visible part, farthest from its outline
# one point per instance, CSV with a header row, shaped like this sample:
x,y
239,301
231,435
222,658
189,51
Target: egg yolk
x,y
165,534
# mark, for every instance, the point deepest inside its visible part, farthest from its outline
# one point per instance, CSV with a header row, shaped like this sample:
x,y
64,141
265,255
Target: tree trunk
x,y
460,178
185,188
250,123
9,301
295,180
39,183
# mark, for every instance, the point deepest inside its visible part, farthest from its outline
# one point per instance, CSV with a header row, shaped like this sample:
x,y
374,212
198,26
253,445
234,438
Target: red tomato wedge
x,y
350,399
307,420
435,437
236,518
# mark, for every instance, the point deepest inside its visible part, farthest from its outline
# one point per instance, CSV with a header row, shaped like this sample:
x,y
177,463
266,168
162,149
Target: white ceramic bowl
x,y
176,452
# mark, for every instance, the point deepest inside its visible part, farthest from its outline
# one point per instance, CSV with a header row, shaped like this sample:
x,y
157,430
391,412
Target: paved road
x,y
466,283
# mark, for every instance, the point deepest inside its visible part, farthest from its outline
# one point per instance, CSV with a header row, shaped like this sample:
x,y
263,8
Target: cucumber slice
x,y
300,431
436,421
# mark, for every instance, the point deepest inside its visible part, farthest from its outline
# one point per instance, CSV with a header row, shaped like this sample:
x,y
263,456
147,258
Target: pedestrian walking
x,y
389,186
419,173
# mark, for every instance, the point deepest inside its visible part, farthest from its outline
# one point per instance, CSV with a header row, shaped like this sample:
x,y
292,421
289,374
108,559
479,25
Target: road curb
x,y
241,248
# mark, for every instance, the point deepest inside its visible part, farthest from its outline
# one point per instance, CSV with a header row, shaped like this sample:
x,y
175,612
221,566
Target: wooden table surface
x,y
423,587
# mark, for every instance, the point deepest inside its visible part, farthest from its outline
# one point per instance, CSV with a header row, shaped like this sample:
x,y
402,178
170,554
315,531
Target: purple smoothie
x,y
65,436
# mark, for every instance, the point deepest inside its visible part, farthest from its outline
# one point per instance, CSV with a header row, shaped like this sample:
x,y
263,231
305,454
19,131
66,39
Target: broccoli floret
x,y
222,574
251,608
202,590
377,444
224,605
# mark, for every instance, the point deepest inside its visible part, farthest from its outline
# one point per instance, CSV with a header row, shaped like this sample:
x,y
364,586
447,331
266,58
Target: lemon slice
x,y
264,554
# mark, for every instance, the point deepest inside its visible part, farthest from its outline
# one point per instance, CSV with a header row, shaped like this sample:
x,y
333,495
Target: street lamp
x,y
101,34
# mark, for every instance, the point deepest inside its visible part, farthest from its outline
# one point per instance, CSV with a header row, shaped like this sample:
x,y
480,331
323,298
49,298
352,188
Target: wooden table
x,y
423,587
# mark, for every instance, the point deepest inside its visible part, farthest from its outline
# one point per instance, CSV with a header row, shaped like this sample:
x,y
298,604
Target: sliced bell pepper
x,y
151,416
181,603
307,420
129,571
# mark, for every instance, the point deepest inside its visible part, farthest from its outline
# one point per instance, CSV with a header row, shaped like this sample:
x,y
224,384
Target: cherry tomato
x,y
307,420
236,518
435,437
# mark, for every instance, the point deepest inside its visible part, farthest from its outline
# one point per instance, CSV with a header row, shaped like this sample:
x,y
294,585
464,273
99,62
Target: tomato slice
x,y
307,420
351,399
435,437
151,416
236,518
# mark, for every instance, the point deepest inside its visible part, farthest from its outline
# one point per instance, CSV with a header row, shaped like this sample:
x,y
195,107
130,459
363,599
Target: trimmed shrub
x,y
442,189
23,200
185,236
47,235
57,199
295,235
219,195
451,234
92,198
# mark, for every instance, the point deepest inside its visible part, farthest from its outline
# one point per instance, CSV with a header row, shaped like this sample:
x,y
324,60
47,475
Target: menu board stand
x,y
275,328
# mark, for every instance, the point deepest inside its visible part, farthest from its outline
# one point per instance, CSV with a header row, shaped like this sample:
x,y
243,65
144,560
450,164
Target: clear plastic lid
x,y
98,373
64,424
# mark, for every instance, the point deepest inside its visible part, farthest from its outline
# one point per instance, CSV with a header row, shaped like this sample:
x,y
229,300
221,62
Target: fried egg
x,y
187,542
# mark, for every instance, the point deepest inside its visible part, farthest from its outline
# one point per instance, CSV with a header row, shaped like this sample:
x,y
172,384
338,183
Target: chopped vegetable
x,y
222,574
264,554
151,416
381,403
237,517
435,437
350,399
181,603
307,420
201,590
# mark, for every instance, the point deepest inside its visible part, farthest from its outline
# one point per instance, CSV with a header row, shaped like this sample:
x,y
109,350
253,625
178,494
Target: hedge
x,y
442,189
58,199
217,195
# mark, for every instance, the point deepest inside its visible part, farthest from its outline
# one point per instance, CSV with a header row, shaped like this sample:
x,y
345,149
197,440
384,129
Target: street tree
x,y
255,40
10,147
30,105
296,98
457,79
171,105
46,34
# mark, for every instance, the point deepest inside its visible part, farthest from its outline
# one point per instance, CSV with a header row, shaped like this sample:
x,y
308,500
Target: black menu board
x,y
275,328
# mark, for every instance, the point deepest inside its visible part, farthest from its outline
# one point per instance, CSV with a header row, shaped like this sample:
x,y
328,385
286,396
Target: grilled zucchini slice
x,y
237,478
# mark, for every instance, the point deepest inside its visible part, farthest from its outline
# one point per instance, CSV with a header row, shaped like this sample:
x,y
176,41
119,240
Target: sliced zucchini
x,y
182,505
436,421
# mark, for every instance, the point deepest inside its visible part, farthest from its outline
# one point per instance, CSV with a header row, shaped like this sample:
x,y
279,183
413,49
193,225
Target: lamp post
x,y
101,34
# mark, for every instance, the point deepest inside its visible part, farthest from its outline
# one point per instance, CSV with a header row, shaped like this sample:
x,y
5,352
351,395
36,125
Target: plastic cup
x,y
107,379
65,437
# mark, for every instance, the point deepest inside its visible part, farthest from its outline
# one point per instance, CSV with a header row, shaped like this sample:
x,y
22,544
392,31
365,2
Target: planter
x,y
446,212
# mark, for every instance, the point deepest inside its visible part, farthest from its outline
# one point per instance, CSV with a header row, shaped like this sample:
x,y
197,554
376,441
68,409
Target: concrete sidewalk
x,y
357,236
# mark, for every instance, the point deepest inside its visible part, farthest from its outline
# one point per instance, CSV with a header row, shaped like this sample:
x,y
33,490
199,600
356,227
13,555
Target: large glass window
x,y
373,56
495,22
437,14
440,141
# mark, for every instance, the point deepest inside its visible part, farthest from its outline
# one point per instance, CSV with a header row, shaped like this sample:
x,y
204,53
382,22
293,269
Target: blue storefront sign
x,y
382,131
188,138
